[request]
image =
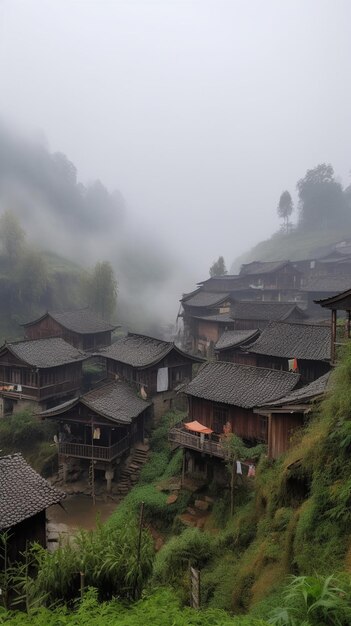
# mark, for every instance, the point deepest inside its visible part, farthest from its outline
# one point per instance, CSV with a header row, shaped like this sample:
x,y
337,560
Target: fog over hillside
x,y
194,116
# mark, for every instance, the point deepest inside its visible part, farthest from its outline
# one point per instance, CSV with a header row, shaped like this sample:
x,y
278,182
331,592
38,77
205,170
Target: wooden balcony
x,y
96,453
182,437
38,393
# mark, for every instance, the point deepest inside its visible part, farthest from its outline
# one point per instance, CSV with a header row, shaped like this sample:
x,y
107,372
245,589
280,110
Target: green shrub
x,y
190,547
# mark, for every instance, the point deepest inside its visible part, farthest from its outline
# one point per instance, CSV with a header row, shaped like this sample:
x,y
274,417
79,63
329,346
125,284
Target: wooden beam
x,y
333,337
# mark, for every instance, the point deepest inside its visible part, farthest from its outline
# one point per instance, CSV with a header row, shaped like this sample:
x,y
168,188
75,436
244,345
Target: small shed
x,y
82,328
288,414
24,498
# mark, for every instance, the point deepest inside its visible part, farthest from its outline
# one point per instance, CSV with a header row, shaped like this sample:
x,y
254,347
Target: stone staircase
x,y
131,471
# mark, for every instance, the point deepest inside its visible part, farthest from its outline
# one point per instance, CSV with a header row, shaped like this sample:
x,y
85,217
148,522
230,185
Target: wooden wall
x,y
280,429
48,327
244,422
309,370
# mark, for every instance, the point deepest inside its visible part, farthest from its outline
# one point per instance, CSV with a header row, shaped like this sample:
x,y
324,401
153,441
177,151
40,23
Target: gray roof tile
x,y
240,385
42,353
304,394
205,298
249,310
141,351
300,341
82,321
262,267
116,401
23,492
231,338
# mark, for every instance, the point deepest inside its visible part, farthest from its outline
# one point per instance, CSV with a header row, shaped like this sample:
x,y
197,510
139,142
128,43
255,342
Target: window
x,y
220,418
263,428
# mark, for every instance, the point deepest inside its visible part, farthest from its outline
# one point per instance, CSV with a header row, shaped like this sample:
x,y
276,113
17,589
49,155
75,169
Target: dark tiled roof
x,y
265,310
116,401
141,351
231,338
305,394
262,267
83,321
224,318
206,298
241,385
300,341
329,284
50,352
341,301
23,492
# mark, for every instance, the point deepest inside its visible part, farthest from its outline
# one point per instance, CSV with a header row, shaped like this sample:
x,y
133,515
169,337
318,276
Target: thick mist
x,y
198,113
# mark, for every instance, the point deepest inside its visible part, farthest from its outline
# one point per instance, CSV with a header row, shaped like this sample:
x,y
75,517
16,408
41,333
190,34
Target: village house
x,y
38,373
222,398
98,429
81,328
24,498
251,315
288,414
276,280
319,287
286,346
156,367
202,319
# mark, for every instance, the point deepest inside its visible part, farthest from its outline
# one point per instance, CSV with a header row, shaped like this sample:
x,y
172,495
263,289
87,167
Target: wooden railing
x,y
184,438
39,393
102,453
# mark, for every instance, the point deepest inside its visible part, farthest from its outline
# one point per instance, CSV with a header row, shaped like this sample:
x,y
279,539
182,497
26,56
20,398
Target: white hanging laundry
x,y
19,388
162,379
143,393
96,433
239,469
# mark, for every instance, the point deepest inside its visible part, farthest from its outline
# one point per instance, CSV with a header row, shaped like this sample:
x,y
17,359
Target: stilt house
x,y
38,373
100,427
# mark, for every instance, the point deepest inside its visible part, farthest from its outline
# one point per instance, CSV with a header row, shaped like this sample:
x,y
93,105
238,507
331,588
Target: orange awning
x,y
198,428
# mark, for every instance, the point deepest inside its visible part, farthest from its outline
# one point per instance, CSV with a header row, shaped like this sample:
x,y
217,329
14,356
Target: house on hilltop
x,y
155,366
81,328
24,497
277,280
100,427
38,373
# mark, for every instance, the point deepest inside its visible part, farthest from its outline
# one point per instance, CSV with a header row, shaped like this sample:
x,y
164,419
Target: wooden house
x,y
24,498
222,398
38,373
206,331
100,427
249,315
157,367
200,310
81,328
320,287
281,342
338,302
231,346
289,413
277,280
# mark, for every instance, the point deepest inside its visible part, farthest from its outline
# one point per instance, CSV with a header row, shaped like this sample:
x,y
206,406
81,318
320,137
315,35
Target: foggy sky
x,y
200,112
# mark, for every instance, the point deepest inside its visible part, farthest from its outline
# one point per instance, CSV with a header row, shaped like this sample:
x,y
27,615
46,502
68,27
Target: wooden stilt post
x,y
92,463
183,469
349,324
333,336
141,518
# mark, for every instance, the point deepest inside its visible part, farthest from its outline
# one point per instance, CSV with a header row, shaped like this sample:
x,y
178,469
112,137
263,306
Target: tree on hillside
x,y
285,208
32,278
218,268
12,236
321,199
102,290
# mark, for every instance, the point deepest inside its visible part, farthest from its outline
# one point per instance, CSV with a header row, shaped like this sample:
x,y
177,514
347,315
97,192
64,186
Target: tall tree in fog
x,y
102,290
12,237
218,268
285,208
322,202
